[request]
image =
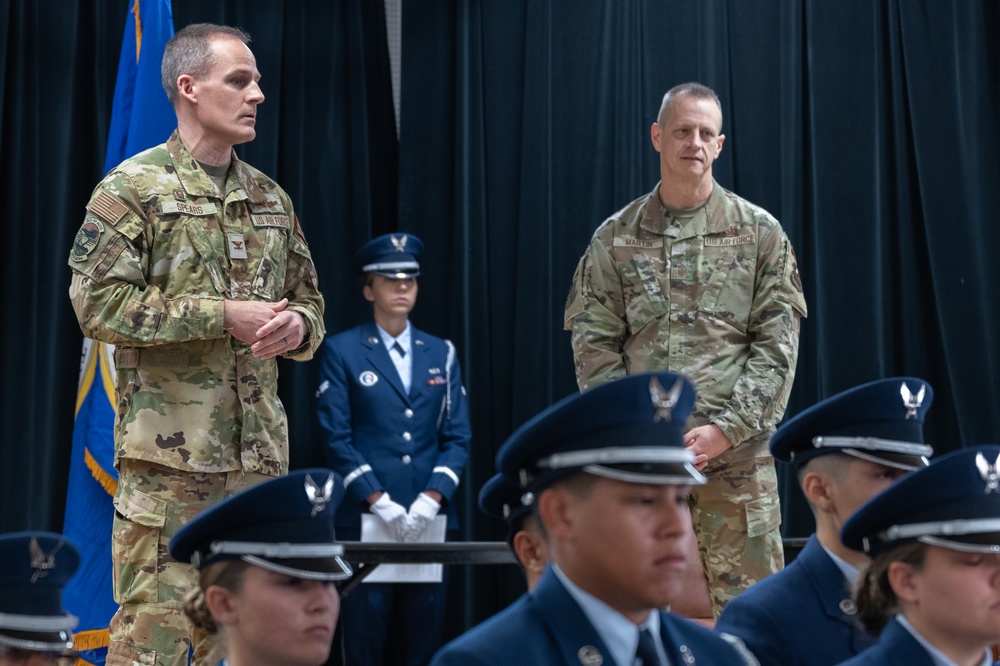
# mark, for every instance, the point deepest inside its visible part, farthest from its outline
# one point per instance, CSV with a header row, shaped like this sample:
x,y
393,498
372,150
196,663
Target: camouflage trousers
x,y
151,504
736,517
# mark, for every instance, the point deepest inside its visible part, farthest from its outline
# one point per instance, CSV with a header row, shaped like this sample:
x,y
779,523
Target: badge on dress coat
x,y
589,656
368,378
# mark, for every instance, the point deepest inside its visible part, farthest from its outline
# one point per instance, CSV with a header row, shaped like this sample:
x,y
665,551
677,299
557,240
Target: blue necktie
x,y
399,349
646,651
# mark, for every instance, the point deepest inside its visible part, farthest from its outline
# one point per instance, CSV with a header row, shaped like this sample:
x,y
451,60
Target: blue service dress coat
x,y
381,438
797,615
547,627
896,647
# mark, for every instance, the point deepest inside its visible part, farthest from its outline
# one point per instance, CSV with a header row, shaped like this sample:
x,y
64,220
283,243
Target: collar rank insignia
x,y
318,497
399,242
663,400
989,473
41,561
910,401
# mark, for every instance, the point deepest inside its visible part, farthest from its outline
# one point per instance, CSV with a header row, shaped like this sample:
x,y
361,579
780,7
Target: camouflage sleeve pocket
x,y
790,290
299,266
139,519
763,516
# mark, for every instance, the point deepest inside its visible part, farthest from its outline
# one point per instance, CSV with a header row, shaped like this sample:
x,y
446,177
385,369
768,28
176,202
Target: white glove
x,y
393,515
422,513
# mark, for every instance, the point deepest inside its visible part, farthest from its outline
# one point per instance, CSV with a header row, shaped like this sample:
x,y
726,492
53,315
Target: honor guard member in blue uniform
x,y
503,498
932,590
267,560
845,450
392,404
610,480
34,568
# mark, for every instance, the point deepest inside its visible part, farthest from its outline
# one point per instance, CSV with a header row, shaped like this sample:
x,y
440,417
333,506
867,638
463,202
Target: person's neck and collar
x,y
848,561
938,658
684,198
822,490
619,634
200,144
403,337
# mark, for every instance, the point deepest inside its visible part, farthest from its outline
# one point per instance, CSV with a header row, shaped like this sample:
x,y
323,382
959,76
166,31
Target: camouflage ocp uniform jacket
x,y
716,297
156,256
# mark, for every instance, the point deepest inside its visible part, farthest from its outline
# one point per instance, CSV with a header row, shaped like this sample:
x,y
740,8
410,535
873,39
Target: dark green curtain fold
x,y
870,129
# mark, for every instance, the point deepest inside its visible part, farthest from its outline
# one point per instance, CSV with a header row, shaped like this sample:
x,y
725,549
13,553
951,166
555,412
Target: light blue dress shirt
x,y
939,658
620,635
404,362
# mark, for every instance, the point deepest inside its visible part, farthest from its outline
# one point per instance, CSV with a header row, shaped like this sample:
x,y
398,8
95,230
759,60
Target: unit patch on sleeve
x,y
87,238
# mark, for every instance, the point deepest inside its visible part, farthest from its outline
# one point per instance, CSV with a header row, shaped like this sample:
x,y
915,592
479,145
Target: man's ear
x,y
655,132
185,88
367,292
530,550
554,510
818,489
721,139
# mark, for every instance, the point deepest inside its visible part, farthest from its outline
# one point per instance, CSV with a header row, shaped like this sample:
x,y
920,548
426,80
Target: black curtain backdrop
x,y
870,129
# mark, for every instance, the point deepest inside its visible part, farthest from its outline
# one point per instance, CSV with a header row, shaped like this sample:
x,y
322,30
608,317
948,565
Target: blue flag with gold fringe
x,y
141,117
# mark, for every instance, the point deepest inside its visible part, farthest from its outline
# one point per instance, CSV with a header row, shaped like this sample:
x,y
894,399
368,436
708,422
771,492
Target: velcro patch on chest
x,y
187,208
108,208
638,243
726,241
269,220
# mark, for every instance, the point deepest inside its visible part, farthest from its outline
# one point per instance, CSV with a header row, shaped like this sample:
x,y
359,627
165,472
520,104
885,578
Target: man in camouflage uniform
x,y
693,279
192,263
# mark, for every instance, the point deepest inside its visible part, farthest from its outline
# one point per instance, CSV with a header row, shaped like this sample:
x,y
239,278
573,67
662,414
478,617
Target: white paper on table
x,y
373,530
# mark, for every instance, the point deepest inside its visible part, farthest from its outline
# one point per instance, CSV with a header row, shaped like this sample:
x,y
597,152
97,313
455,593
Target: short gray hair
x,y
190,52
696,90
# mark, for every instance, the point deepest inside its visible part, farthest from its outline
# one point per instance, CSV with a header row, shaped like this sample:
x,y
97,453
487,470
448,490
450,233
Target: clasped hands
x,y
269,328
406,525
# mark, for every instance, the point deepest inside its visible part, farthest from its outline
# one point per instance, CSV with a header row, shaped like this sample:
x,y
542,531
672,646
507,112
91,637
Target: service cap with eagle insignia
x,y
283,525
630,429
953,503
34,568
504,498
881,421
392,255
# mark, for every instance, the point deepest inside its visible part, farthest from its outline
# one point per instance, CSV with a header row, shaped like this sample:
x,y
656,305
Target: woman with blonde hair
x,y
932,590
267,559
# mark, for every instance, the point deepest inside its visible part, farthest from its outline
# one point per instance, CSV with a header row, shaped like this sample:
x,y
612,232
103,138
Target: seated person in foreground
x,y
267,560
845,449
932,591
503,498
610,479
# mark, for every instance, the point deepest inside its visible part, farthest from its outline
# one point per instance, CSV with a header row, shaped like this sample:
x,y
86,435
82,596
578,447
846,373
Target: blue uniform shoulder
x,y
705,645
501,639
349,336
